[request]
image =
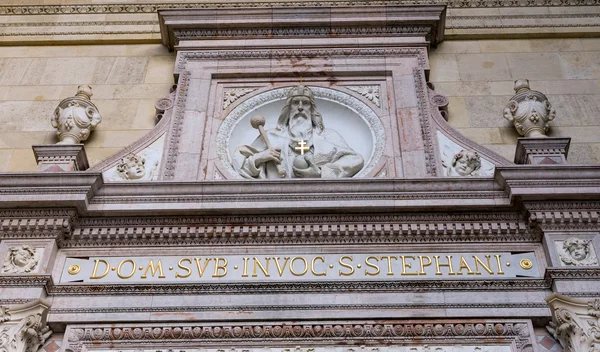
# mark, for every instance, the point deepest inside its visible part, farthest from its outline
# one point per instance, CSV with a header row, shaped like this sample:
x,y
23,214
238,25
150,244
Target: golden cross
x,y
302,147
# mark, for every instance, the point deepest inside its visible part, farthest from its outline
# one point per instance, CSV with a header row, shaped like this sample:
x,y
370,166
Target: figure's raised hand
x,y
267,155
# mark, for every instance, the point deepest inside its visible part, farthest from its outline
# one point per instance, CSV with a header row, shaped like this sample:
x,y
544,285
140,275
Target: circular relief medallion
x,y
312,132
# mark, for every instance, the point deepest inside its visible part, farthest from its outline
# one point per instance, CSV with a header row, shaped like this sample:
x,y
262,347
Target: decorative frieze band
x,y
185,56
256,230
245,334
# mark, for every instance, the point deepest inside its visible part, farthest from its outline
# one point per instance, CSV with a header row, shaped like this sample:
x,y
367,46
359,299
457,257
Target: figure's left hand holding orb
x,y
310,171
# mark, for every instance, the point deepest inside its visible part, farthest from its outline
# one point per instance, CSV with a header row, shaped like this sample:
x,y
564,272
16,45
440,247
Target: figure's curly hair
x,y
315,116
471,157
122,166
574,241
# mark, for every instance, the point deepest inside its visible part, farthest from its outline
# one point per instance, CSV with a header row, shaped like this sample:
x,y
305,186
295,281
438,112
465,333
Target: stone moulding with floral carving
x,y
515,333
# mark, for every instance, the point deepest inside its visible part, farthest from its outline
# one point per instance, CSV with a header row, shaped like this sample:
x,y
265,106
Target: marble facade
x,y
149,249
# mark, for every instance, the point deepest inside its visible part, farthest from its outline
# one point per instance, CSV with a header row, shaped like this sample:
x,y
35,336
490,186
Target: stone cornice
x,y
138,23
99,8
303,21
512,185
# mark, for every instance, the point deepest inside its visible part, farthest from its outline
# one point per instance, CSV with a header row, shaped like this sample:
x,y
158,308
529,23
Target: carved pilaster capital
x,y
575,322
23,327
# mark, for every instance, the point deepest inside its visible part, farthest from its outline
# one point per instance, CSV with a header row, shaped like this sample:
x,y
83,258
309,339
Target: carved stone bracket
x,y
23,327
575,322
542,151
61,157
517,334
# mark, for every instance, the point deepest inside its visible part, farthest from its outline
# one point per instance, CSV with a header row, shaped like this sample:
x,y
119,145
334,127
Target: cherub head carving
x,y
578,252
132,167
21,259
465,162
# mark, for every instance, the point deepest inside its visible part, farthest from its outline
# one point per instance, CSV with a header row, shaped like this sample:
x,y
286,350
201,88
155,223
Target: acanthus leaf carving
x,y
230,95
25,329
575,322
371,92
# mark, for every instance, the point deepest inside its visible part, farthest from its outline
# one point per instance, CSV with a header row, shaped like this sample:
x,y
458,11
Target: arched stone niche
x,y
353,119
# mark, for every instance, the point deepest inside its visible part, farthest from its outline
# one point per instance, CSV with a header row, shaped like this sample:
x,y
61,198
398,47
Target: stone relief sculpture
x,y
577,252
133,167
76,117
464,163
143,165
460,162
299,147
19,260
232,94
529,111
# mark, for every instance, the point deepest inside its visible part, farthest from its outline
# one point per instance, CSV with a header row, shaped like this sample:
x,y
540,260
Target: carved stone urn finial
x,y
76,117
529,110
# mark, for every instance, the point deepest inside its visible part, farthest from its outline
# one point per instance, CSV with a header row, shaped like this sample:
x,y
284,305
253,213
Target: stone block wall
x,y
126,80
478,77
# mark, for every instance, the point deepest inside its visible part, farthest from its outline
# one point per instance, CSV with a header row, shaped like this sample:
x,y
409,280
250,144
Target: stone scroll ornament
x,y
529,111
23,327
20,260
575,322
76,117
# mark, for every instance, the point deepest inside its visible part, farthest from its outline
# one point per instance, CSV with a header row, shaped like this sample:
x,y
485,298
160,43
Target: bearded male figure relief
x,y
300,146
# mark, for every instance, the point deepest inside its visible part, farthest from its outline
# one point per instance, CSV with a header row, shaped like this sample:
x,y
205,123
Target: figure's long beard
x,y
300,126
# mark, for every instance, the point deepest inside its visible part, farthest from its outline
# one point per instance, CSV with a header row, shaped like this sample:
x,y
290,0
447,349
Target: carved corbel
x,y
23,327
575,322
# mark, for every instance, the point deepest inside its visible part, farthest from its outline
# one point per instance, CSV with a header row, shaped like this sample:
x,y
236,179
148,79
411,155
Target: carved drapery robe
x,y
328,149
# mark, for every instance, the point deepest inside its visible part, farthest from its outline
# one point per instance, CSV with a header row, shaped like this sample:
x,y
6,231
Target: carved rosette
x,y
369,92
23,327
529,111
575,322
76,117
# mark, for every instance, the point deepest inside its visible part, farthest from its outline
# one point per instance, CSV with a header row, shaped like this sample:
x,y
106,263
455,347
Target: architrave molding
x,y
525,284
517,333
